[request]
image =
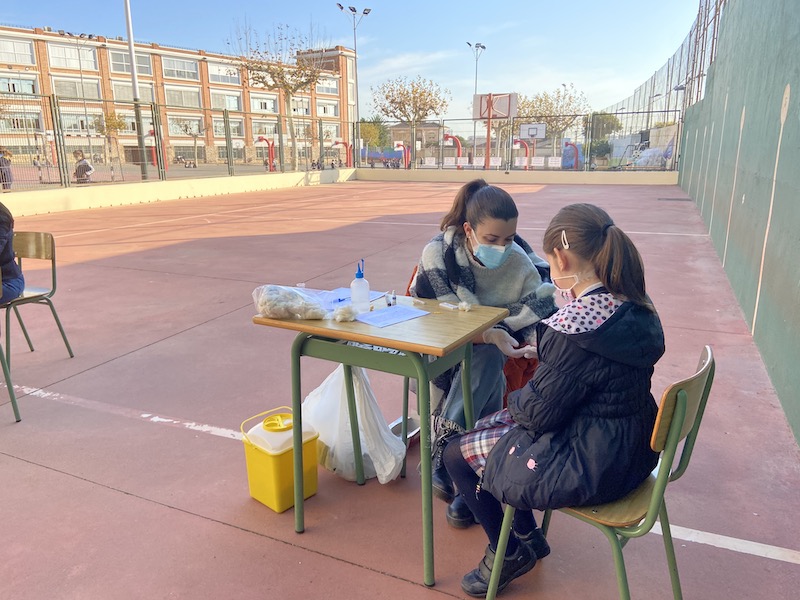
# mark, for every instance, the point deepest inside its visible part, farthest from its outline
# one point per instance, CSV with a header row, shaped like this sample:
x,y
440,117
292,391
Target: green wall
x,y
740,162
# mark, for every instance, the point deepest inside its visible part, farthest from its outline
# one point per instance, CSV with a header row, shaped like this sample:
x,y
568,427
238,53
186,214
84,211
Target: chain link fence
x,y
45,136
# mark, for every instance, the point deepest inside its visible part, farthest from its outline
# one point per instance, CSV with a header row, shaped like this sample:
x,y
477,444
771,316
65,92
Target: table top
x,y
437,333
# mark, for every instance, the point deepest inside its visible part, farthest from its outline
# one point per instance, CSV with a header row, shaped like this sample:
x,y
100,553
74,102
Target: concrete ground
x,y
125,478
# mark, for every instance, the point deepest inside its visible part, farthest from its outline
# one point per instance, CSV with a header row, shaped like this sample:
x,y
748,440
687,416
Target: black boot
x,y
442,484
476,582
459,514
536,542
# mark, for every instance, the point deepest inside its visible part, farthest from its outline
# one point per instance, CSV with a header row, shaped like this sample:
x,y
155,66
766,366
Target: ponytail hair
x,y
589,232
477,201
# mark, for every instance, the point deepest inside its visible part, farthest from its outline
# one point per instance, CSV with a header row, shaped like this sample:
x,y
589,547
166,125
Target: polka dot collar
x,y
583,314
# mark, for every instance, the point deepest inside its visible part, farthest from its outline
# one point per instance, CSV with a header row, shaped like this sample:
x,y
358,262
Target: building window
x,y
185,126
330,131
121,63
222,153
73,57
17,85
130,124
20,121
189,152
180,69
267,104
124,91
16,52
301,106
186,97
81,123
237,127
226,100
222,73
267,128
328,86
327,108
75,88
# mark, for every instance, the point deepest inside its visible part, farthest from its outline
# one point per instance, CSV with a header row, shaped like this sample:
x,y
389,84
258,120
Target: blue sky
x,y
606,49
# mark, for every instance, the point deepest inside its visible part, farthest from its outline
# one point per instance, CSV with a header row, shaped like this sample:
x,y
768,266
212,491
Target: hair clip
x,y
564,241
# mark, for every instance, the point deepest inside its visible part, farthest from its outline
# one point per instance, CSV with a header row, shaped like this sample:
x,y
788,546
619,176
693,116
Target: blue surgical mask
x,y
490,256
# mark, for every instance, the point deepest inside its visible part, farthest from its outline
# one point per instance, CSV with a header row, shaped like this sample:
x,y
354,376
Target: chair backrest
x,y
680,413
38,245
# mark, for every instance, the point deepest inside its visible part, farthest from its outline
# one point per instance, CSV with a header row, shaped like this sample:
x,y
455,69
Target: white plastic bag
x,y
325,409
282,302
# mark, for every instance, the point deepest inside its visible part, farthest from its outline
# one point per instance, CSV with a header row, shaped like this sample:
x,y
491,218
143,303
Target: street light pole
x,y
352,12
477,50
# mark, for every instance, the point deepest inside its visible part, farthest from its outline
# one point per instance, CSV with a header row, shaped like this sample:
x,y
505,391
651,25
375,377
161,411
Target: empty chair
x,y
679,416
34,245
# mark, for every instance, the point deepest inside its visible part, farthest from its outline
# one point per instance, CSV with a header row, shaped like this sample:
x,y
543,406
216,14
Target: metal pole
x,y
136,99
477,49
356,16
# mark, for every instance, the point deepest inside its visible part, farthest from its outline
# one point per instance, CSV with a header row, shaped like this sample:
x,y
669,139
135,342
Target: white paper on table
x,y
391,315
333,299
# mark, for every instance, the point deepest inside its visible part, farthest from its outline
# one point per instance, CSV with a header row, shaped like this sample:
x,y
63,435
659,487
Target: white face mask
x,y
567,293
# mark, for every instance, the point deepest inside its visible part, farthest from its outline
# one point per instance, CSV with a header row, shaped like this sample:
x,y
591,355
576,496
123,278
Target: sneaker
x,y
476,582
536,542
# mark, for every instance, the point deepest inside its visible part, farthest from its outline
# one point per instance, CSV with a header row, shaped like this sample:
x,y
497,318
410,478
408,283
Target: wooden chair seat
x,y
628,510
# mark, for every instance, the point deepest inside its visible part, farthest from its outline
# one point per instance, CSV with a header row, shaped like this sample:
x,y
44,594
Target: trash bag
x,y
325,409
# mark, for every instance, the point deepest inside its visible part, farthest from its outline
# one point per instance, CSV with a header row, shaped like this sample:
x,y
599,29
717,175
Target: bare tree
x,y
109,125
285,60
558,110
191,128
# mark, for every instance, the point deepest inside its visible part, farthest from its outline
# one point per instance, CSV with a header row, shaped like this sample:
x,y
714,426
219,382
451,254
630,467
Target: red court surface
x,y
125,478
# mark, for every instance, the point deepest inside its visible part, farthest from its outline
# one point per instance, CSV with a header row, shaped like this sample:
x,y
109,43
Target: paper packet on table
x,y
284,302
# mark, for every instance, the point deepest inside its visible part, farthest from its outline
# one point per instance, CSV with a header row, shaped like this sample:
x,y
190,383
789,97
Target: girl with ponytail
x,y
578,433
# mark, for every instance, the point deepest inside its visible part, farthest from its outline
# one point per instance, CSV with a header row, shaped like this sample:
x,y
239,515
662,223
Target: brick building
x,y
86,81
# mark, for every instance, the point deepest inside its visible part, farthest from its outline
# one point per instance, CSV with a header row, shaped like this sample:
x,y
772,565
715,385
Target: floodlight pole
x,y
477,50
137,109
353,13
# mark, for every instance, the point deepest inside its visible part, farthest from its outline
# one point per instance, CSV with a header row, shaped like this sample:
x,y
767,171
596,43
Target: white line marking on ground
x,y
678,533
731,543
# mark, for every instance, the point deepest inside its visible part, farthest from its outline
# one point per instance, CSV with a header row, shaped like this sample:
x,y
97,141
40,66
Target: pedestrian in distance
x,y
83,168
6,176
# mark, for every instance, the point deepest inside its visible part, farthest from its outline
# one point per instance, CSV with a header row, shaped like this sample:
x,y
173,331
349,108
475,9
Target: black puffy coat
x,y
586,417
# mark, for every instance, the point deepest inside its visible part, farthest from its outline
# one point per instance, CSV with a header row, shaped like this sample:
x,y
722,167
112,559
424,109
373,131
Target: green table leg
x,y
351,408
466,386
423,395
297,432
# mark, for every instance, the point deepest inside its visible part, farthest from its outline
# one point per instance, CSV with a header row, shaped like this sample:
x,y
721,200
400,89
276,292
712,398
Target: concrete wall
x,y
740,153
22,203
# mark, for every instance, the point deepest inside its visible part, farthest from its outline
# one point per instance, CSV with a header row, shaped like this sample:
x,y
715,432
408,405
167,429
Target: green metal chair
x,y
7,377
40,246
679,417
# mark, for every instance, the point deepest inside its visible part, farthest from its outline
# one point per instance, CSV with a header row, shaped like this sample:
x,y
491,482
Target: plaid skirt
x,y
478,442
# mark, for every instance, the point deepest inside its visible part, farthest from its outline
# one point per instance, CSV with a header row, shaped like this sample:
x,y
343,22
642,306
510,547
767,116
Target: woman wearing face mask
x,y
578,433
478,258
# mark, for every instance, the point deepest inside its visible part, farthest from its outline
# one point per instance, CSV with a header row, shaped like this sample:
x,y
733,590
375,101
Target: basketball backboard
x,y
532,131
494,106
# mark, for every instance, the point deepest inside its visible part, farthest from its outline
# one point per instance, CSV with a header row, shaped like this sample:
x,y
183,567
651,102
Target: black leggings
x,y
483,505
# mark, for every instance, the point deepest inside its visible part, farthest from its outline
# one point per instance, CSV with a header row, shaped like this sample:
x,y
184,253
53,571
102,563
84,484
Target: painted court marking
x,y
678,533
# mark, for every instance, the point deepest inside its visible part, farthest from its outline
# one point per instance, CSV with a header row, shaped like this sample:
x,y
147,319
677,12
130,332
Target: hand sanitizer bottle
x,y
359,290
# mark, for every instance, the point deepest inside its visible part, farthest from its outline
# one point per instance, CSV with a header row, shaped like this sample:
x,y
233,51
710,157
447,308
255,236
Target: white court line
x,y
731,543
680,533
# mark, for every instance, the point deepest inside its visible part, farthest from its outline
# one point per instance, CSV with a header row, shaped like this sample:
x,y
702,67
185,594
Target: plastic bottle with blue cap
x,y
359,290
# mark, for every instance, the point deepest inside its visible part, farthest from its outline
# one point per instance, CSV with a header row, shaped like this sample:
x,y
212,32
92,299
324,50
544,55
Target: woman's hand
x,y
504,342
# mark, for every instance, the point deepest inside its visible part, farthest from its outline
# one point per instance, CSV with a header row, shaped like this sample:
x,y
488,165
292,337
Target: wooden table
x,y
429,346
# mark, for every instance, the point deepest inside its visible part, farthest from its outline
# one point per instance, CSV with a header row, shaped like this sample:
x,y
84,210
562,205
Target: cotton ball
x,y
465,306
345,313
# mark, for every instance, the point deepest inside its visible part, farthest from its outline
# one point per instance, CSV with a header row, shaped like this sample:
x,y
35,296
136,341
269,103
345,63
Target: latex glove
x,y
504,342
